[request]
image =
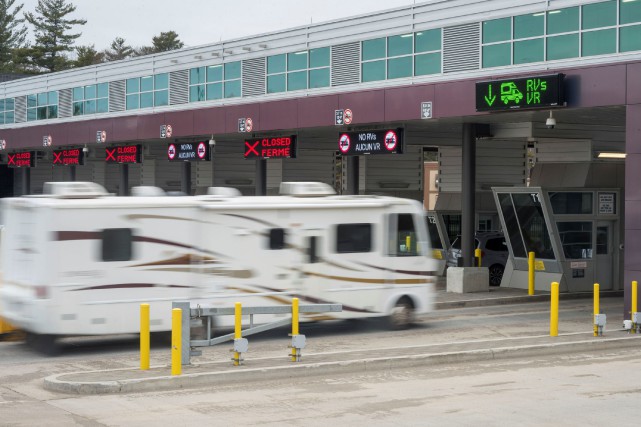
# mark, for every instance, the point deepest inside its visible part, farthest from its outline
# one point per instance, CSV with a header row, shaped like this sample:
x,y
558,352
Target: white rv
x,y
79,261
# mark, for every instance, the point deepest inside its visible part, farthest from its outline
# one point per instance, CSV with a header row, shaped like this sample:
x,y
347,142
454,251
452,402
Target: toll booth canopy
x,y
574,233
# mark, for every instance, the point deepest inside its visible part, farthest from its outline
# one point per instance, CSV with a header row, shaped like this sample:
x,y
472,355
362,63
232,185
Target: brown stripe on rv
x,y
78,235
370,281
181,260
411,272
128,286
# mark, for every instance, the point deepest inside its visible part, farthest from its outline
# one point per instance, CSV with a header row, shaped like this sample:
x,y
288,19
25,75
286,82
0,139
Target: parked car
x,y
494,253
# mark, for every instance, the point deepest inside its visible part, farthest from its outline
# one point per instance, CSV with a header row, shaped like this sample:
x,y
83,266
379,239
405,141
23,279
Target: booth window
x,y
117,244
353,238
571,203
576,239
435,240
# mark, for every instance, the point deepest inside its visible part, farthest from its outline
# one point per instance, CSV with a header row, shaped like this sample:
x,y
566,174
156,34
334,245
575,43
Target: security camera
x,y
85,150
550,123
212,142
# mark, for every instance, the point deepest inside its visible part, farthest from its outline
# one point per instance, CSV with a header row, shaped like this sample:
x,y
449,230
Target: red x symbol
x,y
11,160
57,157
251,148
110,154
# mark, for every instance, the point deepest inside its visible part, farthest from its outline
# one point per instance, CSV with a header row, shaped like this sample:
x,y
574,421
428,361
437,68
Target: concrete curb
x,y
383,364
521,299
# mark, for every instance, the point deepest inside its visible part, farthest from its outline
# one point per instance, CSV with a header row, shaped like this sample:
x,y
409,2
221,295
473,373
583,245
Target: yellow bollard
x,y
238,329
294,327
633,306
477,255
144,337
530,273
176,341
596,308
554,310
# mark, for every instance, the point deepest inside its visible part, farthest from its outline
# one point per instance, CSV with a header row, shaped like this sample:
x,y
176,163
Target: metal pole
x,y
186,178
144,337
238,329
352,175
26,181
596,308
261,177
186,331
634,306
124,180
176,341
554,310
468,196
530,275
294,326
72,173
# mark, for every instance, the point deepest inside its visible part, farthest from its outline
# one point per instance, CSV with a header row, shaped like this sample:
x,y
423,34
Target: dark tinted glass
x,y
276,238
116,244
352,238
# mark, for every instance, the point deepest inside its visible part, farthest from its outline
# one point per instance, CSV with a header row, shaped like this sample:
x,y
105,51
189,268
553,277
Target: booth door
x,y
604,255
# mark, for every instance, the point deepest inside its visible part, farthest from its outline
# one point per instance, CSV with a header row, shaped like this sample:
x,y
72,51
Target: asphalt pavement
x,y
358,360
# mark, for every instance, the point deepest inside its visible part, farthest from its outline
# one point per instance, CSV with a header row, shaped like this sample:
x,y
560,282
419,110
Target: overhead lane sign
x,y
388,141
271,148
522,93
188,151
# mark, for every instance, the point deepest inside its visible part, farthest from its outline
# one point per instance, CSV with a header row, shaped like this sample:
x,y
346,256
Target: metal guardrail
x,y
209,313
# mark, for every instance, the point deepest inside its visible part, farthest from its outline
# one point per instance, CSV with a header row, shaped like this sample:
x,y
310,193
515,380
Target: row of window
x,y
6,111
593,29
579,31
117,243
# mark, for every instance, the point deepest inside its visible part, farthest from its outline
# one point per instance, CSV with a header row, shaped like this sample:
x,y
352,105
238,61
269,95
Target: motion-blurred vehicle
x,y
494,253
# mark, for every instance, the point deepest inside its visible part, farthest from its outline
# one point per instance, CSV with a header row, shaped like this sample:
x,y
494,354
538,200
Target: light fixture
x,y
611,155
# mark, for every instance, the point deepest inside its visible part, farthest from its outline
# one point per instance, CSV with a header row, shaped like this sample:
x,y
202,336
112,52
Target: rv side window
x,y
403,235
117,244
277,238
312,250
351,238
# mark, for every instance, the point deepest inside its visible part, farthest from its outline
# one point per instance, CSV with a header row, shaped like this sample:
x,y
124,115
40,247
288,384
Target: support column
x,y
123,190
261,177
185,182
26,181
352,175
468,194
72,173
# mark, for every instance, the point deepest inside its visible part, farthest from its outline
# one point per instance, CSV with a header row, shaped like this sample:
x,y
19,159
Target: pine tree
x,y
52,37
163,42
118,50
12,34
87,55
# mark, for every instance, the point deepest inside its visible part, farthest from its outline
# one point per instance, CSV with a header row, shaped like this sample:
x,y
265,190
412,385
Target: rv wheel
x,y
44,343
402,315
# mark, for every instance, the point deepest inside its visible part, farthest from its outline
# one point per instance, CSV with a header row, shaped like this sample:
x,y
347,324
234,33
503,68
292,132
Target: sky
x,y
199,22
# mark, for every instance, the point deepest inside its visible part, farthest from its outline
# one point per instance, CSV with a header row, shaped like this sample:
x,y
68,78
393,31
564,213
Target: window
x,y
42,106
571,203
91,99
629,11
276,238
312,249
6,111
215,82
576,239
298,71
597,15
405,55
148,91
598,42
403,237
435,240
117,244
563,20
497,245
353,238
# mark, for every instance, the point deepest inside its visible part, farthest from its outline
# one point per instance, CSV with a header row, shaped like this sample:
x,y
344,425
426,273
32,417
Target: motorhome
x,y
80,261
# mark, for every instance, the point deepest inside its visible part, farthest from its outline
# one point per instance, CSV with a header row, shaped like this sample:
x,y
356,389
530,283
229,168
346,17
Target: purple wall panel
x,y
59,134
79,133
209,121
235,112
317,111
124,129
366,106
149,126
405,103
99,125
633,250
596,86
633,177
632,214
455,99
633,129
279,115
633,87
182,123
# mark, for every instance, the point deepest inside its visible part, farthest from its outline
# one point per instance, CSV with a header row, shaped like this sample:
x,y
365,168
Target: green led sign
x,y
521,93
